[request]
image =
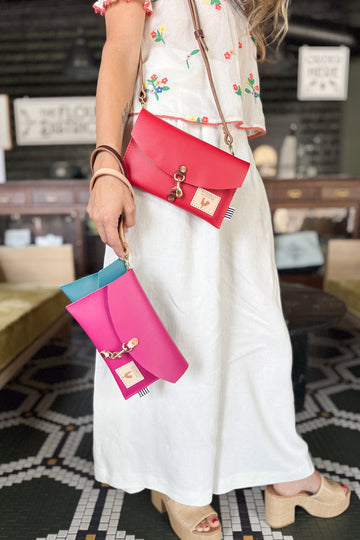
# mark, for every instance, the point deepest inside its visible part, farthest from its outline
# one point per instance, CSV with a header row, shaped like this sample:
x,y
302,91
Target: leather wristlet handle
x,y
116,174
199,35
124,244
109,150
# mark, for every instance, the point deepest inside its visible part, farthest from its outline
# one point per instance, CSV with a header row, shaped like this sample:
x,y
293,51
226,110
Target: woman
x,y
229,422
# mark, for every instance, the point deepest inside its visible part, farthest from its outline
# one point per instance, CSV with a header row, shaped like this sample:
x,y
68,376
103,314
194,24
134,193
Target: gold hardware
x,y
294,193
176,192
142,96
126,348
342,192
228,141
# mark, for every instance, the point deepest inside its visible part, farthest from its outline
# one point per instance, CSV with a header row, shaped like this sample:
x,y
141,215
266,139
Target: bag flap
x,y
111,272
81,287
88,284
207,166
133,316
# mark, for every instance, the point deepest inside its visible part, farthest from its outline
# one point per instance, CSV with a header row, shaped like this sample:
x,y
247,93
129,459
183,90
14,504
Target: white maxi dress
x,y
229,422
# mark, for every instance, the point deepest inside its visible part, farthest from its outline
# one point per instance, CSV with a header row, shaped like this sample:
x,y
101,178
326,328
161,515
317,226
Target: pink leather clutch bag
x,y
125,329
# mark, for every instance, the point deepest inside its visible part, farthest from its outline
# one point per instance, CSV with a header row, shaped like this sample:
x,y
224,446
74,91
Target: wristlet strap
x,y
124,244
109,150
199,35
112,172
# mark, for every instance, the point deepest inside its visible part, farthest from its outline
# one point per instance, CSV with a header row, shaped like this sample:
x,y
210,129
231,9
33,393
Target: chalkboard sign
x,y
323,73
63,120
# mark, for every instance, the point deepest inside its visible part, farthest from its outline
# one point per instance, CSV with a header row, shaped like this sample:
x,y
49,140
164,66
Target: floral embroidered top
x,y
174,71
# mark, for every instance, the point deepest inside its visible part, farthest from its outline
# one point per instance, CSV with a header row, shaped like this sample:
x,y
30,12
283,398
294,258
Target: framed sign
x,y
5,127
62,120
323,73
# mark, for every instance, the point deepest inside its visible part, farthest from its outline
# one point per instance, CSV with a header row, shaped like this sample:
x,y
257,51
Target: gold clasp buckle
x,y
228,142
176,192
142,95
126,348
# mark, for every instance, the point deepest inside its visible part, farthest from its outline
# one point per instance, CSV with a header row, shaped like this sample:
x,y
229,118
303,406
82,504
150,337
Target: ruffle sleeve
x,y
101,5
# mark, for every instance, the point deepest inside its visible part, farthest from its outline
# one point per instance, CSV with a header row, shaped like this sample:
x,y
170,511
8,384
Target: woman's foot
x,y
310,484
207,524
188,522
319,496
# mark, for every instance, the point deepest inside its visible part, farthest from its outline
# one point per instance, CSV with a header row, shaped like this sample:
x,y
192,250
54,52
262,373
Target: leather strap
x,y
112,172
199,35
124,244
109,150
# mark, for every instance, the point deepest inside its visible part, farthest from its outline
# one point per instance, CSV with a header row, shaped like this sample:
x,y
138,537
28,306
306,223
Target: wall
x,y
351,154
36,35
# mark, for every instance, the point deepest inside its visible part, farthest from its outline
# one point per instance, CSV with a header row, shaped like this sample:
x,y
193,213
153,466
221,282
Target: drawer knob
x,y
51,198
342,192
294,193
4,198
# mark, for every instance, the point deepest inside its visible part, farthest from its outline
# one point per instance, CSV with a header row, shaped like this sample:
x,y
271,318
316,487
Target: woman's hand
x,y
109,199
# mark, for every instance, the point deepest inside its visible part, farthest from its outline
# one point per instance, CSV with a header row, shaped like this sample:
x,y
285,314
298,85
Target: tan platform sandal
x,y
183,519
331,500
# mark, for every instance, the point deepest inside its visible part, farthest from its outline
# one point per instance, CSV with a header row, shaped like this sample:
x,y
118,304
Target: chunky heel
x,y
331,500
184,519
279,511
158,501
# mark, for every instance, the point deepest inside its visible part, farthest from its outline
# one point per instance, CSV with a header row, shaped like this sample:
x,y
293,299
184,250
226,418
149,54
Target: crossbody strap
x,y
199,35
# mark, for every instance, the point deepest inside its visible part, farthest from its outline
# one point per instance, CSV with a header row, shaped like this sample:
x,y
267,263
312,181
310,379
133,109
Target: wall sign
x,y
63,120
323,73
5,127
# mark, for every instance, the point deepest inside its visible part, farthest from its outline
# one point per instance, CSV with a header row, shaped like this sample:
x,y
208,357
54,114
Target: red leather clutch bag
x,y
190,173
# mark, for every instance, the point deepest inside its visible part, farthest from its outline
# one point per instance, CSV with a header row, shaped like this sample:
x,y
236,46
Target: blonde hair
x,y
268,21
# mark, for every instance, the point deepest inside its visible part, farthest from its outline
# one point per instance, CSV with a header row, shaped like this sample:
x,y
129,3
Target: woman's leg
x,y
319,496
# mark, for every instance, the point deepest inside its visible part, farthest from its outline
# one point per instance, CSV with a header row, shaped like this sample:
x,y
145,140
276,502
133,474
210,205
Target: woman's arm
x,y
119,64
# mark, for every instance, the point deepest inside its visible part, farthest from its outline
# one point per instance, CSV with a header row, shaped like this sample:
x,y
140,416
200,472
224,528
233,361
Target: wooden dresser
x,y
70,197
49,198
335,192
